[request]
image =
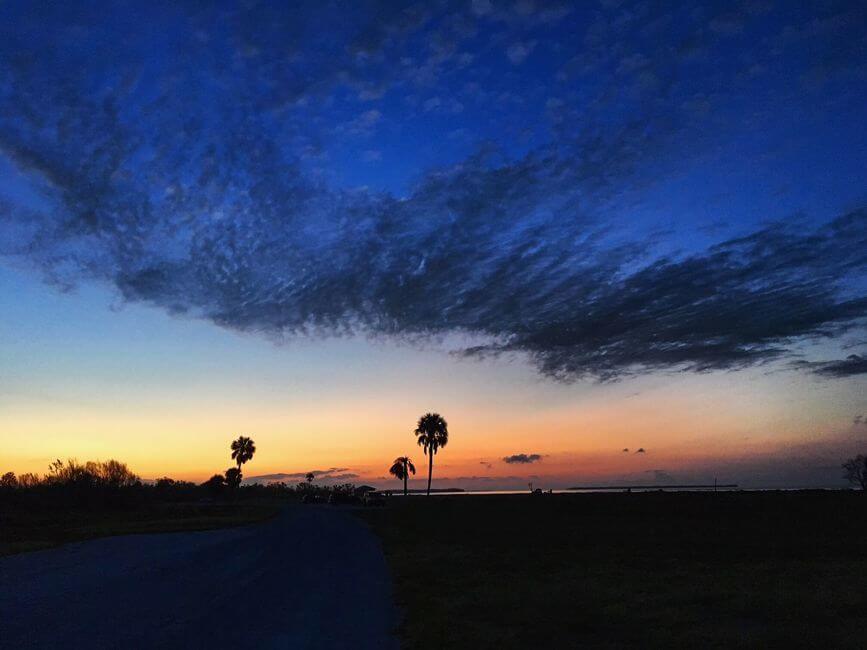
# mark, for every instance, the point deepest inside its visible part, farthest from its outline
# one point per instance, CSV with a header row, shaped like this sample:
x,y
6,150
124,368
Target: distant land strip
x,y
421,490
655,487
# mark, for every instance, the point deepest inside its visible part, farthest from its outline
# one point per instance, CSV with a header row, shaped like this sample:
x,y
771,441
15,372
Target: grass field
x,y
687,570
35,529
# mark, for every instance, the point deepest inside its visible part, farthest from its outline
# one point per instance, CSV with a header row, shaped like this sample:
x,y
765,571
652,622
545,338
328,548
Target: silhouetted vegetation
x,y
215,485
648,570
242,450
855,471
432,433
71,482
76,500
401,468
233,478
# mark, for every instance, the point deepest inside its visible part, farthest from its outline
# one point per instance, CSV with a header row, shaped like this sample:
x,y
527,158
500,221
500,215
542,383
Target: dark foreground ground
x,y
688,570
38,527
311,577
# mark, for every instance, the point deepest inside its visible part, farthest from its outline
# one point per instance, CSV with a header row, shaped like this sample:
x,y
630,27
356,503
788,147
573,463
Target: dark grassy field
x,y
687,570
33,529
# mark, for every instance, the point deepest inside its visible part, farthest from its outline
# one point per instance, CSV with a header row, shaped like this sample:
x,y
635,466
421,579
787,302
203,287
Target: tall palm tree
x,y
432,432
242,450
401,469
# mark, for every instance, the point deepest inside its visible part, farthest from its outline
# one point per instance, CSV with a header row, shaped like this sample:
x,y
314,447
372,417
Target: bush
x,y
111,474
215,485
28,481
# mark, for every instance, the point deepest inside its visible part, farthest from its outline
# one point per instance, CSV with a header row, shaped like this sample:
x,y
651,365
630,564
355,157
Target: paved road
x,y
314,577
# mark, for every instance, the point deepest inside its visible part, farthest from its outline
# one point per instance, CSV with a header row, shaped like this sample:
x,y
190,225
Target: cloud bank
x,y
852,365
184,182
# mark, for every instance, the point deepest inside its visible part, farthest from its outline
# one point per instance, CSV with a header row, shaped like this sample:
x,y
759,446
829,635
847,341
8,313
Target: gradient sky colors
x,y
569,229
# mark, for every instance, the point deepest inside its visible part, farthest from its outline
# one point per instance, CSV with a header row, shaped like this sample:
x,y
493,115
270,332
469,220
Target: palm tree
x,y
432,432
242,450
401,469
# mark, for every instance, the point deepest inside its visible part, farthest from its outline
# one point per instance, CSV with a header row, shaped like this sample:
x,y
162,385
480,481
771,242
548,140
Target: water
x,y
590,490
633,488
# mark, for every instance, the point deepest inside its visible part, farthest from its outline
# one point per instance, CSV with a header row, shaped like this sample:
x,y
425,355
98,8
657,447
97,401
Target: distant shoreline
x,y
602,489
421,491
712,486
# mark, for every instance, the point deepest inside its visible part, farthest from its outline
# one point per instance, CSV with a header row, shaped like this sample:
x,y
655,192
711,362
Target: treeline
x,y
112,483
71,483
108,475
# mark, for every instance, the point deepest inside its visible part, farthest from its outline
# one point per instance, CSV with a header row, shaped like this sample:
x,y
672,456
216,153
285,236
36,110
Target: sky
x,y
573,229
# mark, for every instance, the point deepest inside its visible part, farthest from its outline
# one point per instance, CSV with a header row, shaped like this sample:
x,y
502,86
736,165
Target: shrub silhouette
x,y
111,474
71,474
215,485
233,478
71,482
28,480
855,471
432,432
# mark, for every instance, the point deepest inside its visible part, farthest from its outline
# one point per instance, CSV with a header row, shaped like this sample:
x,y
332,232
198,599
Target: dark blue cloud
x,y
852,365
193,158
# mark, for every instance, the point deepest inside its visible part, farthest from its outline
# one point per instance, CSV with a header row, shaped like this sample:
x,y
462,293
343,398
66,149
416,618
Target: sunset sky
x,y
570,228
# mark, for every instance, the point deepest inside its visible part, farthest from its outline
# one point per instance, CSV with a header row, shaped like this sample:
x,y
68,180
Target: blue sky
x,y
537,196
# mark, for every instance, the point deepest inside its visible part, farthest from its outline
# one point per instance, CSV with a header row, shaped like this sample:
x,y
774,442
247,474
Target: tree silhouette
x,y
215,484
855,471
233,477
432,432
401,469
310,476
242,450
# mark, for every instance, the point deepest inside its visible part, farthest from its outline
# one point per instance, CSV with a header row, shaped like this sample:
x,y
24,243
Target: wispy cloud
x,y
518,52
852,365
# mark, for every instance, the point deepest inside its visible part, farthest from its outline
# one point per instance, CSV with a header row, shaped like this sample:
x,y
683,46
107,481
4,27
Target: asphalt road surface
x,y
313,577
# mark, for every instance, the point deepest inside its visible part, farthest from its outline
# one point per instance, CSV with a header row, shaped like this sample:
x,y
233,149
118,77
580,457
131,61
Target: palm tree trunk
x,y
429,470
404,482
